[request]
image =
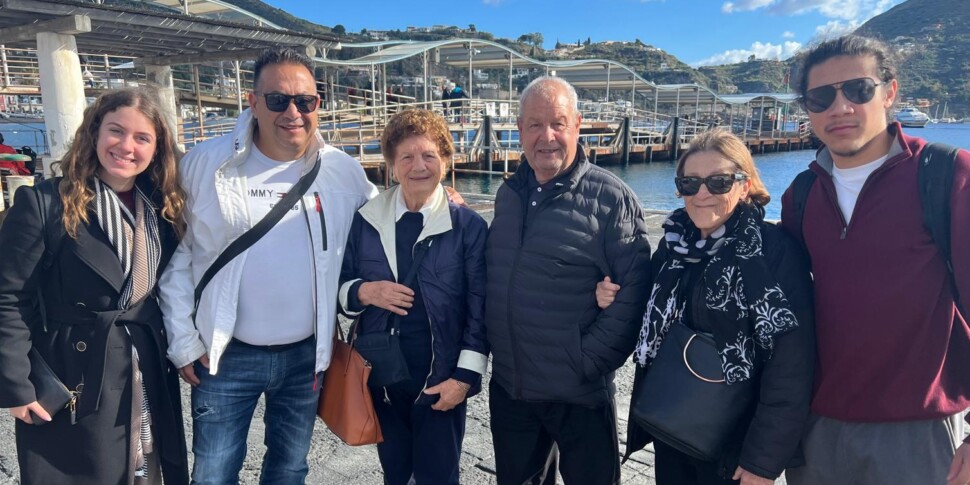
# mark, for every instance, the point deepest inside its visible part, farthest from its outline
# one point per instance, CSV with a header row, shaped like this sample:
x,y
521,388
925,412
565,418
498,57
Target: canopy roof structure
x,y
162,32
599,74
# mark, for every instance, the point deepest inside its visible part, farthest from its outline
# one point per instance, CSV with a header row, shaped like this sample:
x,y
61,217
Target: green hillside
x,y
934,51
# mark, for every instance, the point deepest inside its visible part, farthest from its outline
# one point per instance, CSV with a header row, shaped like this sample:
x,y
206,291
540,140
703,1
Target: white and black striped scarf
x,y
118,223
738,287
137,244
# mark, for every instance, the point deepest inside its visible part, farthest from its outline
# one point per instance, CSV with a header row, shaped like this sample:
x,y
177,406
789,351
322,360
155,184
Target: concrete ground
x,y
332,462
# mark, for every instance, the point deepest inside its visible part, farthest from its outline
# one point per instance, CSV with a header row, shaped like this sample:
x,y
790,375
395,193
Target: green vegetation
x,y
932,50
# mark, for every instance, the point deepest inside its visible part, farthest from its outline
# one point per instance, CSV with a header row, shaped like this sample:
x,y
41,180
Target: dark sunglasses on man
x,y
858,91
716,184
278,103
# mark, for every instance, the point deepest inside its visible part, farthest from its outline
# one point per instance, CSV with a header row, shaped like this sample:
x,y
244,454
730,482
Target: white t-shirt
x,y
849,182
276,292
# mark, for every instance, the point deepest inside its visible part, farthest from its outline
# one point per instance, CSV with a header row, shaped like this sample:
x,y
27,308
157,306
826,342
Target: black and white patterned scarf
x,y
135,238
738,288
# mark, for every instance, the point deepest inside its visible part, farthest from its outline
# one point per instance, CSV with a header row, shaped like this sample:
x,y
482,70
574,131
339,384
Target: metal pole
x,y
198,101
761,117
237,66
222,80
470,83
373,101
697,105
426,80
384,95
3,61
677,109
510,78
608,69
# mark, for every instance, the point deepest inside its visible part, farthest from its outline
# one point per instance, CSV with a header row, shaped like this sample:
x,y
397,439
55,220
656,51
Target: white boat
x,y
911,117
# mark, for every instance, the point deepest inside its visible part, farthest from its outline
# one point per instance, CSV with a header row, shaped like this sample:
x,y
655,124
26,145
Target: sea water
x,y
654,182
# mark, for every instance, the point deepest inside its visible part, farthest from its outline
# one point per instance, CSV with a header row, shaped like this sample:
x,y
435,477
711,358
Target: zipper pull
x,y
844,229
72,404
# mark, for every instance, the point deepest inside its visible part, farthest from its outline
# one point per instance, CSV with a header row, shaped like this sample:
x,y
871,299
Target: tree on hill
x,y
339,29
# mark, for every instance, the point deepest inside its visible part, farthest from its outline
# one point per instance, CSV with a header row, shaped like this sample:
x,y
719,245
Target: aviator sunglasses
x,y
858,91
276,102
716,184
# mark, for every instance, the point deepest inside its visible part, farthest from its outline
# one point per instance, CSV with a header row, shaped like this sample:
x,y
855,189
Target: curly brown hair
x,y
734,150
80,164
414,122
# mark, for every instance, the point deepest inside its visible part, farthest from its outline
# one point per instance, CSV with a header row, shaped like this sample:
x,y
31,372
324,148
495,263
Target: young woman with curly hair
x,y
82,255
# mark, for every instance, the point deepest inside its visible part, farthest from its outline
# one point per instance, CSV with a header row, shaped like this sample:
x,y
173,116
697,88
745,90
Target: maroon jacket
x,y
891,346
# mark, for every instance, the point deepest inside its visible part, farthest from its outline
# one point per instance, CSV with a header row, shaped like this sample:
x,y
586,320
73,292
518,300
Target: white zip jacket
x,y
217,213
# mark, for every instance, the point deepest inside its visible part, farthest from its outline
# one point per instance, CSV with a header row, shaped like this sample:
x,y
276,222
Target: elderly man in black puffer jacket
x,y
561,225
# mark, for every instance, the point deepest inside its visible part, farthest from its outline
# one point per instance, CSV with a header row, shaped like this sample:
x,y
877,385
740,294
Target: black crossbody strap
x,y
256,232
420,252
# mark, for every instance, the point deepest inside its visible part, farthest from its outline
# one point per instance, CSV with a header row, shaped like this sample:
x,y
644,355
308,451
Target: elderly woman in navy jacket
x,y
440,315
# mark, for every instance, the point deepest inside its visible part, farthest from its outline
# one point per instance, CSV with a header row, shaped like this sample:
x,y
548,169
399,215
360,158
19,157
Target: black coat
x,y
550,341
84,341
766,441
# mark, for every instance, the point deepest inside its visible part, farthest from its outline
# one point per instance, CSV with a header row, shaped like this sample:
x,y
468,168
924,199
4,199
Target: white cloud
x,y
835,28
745,5
788,35
760,50
861,10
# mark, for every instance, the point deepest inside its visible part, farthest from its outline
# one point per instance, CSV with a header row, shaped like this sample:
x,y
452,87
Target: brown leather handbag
x,y
345,401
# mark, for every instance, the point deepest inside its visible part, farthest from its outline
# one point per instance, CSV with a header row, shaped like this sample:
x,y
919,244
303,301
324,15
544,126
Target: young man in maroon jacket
x,y
893,373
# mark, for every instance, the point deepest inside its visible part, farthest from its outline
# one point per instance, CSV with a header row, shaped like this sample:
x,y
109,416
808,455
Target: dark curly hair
x,y
849,45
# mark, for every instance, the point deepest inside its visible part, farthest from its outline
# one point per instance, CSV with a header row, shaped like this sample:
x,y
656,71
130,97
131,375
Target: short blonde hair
x,y
734,150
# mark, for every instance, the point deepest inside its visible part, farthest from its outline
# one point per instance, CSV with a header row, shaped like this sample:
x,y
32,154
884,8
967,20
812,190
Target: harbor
x,y
201,64
58,55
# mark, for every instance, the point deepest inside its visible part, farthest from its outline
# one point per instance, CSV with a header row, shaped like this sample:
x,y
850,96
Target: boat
x,y
910,117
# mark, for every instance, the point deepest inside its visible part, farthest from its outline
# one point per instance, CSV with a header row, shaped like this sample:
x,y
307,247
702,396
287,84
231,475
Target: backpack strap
x,y
935,178
801,186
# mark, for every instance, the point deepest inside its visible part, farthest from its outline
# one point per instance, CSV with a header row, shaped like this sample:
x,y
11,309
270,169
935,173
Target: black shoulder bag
x,y
383,349
256,232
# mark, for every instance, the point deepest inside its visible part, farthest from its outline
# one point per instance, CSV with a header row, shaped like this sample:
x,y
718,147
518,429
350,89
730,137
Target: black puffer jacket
x,y
550,341
766,441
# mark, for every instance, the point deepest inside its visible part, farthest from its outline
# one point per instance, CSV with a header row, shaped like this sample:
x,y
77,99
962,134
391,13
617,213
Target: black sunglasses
x,y
305,103
716,184
858,91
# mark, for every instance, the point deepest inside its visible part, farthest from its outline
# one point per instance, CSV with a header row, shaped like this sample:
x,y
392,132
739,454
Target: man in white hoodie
x,y
265,321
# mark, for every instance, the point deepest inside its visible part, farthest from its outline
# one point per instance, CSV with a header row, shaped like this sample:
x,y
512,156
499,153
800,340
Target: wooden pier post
x,y
487,139
650,153
625,133
592,156
675,139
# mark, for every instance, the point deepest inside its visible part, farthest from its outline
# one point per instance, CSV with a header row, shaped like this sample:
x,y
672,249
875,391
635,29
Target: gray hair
x,y
545,87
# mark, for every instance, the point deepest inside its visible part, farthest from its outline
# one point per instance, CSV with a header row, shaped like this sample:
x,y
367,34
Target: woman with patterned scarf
x,y
720,269
81,258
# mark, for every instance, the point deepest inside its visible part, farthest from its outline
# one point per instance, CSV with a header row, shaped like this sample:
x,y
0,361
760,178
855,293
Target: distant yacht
x,y
910,117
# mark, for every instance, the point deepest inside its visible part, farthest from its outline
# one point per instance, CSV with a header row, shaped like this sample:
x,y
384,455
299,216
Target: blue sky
x,y
697,32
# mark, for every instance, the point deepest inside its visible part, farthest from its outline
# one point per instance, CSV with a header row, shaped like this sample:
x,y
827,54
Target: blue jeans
x,y
223,405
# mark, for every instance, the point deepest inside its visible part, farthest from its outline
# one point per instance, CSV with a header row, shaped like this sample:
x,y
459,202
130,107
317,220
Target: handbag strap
x,y
419,253
256,232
